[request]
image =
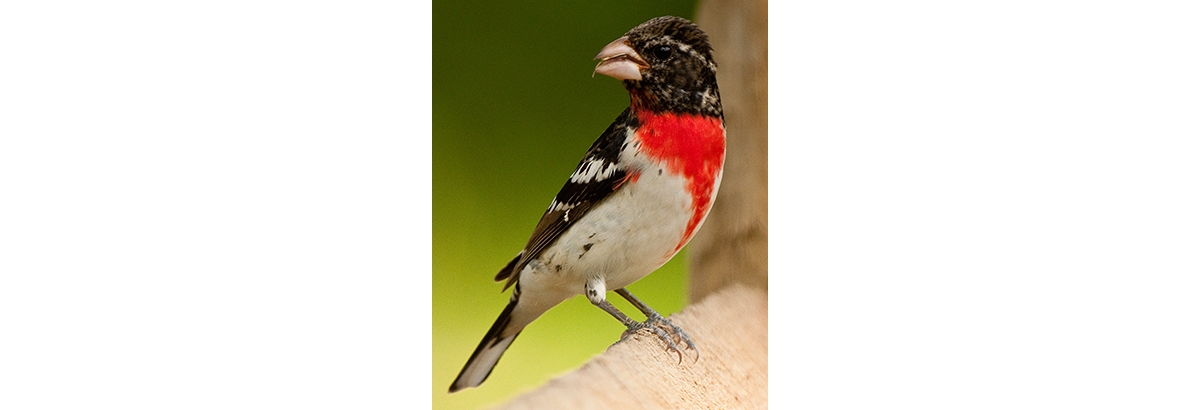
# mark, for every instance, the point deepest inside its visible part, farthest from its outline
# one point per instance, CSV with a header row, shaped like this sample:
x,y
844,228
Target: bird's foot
x,y
660,327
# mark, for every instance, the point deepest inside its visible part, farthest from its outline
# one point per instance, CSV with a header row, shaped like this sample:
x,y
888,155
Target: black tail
x,y
493,345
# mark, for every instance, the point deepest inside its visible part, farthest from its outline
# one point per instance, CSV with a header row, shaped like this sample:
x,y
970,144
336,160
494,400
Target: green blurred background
x,y
514,109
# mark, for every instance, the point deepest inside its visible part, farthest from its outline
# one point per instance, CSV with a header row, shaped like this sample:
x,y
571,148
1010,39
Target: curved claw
x,y
659,321
662,334
657,324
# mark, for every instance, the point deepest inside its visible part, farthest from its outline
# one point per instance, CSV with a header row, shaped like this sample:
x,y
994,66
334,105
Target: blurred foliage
x,y
514,109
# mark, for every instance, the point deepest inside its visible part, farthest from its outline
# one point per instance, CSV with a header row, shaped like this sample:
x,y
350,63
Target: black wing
x,y
597,176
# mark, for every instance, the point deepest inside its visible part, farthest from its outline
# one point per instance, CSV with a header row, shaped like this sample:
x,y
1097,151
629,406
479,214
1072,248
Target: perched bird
x,y
637,197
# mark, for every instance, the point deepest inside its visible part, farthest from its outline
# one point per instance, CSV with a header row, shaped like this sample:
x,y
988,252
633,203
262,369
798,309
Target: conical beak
x,y
618,60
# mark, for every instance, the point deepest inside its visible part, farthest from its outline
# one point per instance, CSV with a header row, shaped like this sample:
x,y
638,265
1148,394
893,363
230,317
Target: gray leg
x,y
612,310
653,318
595,293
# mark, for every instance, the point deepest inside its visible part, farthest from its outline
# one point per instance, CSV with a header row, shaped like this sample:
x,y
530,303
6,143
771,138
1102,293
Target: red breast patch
x,y
689,145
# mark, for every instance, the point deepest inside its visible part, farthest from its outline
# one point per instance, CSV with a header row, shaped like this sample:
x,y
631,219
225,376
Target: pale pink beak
x,y
618,60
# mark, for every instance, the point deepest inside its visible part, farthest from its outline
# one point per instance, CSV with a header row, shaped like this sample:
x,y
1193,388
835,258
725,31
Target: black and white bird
x,y
637,197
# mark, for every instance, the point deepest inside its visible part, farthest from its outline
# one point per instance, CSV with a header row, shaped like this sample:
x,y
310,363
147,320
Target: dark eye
x,y
662,52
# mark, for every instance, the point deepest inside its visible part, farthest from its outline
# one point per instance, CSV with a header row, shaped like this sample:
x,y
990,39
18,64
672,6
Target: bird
x,y
636,198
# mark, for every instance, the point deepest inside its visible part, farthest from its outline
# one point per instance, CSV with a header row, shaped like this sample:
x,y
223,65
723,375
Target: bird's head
x,y
666,64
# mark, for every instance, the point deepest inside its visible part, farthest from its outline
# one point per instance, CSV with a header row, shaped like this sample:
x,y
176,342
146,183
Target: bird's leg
x,y
595,290
653,318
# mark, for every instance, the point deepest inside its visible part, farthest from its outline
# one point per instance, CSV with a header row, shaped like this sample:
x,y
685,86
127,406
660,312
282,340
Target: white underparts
x,y
621,238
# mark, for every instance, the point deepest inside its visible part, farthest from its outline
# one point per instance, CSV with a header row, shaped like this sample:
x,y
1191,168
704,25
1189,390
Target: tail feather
x,y
481,363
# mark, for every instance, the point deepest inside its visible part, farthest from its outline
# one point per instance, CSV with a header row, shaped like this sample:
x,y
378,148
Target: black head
x,y
667,65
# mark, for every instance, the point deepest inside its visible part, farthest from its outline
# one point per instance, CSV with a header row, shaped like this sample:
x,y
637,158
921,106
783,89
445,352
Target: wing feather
x,y
596,177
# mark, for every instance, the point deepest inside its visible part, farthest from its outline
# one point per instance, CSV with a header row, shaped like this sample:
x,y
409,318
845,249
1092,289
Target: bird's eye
x,y
662,52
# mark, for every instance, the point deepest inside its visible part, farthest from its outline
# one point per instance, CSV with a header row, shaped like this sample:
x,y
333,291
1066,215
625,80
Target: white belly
x,y
622,239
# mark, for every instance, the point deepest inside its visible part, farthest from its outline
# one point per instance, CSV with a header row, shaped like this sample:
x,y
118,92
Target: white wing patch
x,y
561,206
593,170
